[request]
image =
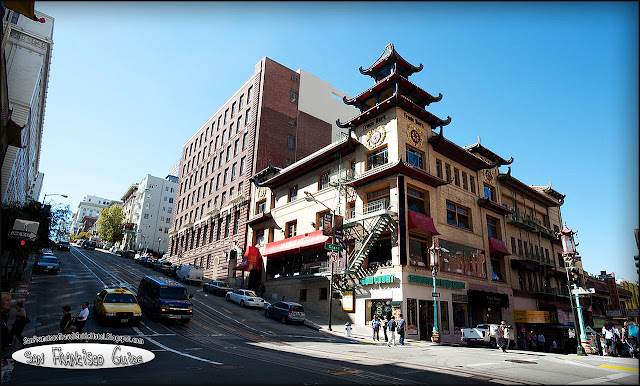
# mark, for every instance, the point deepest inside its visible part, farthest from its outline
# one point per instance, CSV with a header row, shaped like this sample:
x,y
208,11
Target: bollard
x,y
347,326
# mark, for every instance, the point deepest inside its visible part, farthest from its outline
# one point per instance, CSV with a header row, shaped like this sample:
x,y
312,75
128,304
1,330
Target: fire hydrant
x,y
347,326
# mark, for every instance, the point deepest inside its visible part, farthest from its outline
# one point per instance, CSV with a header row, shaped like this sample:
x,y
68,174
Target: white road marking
x,y
176,351
481,364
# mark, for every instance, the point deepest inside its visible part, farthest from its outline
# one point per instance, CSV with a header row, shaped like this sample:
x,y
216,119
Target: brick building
x,y
275,118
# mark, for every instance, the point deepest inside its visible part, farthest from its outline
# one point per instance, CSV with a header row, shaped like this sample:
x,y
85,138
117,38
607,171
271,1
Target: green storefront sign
x,y
439,282
377,279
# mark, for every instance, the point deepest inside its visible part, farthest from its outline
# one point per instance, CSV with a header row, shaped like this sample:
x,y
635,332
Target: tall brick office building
x,y
277,117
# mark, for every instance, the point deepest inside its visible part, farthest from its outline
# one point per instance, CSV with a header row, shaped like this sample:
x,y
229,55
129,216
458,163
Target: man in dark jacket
x,y
400,328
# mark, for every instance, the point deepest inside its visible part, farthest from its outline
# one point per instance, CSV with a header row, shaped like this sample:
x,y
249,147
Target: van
x,y
190,274
163,298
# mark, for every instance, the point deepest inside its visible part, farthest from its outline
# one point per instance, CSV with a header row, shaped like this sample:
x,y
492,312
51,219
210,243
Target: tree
x,y
81,235
111,224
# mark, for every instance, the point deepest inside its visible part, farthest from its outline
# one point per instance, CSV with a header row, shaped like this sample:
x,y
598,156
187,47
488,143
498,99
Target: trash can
x,y
347,326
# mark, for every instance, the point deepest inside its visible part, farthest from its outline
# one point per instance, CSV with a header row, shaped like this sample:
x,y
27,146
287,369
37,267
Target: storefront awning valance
x,y
488,298
421,222
295,244
251,260
498,247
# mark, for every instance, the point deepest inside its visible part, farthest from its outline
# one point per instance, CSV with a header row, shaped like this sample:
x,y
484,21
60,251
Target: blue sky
x,y
552,84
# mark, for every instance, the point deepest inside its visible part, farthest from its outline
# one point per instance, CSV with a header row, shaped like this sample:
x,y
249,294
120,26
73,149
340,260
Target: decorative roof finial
x,y
478,140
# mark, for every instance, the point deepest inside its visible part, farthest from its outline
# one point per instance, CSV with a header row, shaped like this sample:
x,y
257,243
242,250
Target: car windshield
x,y
297,309
49,260
63,242
251,293
173,293
120,298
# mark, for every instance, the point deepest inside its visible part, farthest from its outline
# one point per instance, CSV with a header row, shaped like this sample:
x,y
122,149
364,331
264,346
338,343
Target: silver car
x,y
245,298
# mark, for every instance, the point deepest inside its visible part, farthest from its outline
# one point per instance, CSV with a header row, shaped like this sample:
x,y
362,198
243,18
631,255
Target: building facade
x,y
27,46
399,187
148,209
89,212
275,118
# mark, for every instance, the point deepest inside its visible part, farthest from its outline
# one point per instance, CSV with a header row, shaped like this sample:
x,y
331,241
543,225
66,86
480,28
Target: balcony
x,y
531,225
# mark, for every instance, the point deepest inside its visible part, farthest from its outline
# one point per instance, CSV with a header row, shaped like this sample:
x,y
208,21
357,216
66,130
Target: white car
x,y
246,298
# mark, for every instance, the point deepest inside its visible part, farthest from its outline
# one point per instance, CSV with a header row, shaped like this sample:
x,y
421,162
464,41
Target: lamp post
x,y
54,194
434,262
310,198
570,256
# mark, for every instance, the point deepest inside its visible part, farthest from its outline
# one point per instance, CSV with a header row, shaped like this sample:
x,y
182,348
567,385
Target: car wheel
x,y
184,321
494,344
266,313
241,303
284,320
228,298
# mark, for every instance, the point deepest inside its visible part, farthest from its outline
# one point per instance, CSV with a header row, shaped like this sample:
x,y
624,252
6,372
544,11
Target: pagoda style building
x,y
399,187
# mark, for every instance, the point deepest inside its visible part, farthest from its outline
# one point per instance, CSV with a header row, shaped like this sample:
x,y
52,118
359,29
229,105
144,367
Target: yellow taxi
x,y
117,305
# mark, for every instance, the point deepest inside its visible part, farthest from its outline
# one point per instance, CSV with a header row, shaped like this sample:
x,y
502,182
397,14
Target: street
x,y
227,344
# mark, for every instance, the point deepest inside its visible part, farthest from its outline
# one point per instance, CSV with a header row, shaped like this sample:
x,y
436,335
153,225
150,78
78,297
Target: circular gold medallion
x,y
415,136
376,136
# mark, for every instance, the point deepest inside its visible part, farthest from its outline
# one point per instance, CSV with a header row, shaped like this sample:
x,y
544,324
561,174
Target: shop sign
x,y
377,279
633,312
530,316
439,282
613,312
347,300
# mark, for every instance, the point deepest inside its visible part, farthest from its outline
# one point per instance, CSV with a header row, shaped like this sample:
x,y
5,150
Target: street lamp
x,y
309,197
434,262
570,256
54,194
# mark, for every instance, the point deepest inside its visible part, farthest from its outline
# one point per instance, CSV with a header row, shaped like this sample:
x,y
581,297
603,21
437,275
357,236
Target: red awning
x,y
251,260
296,243
498,247
419,221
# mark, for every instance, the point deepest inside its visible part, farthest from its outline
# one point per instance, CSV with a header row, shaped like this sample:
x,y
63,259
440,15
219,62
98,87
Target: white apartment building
x,y
27,47
89,208
149,207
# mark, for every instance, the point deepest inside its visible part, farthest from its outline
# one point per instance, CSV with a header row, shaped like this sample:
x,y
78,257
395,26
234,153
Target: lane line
x,y
136,329
481,364
619,368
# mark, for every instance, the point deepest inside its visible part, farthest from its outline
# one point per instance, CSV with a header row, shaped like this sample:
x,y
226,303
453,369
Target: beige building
x,y
399,186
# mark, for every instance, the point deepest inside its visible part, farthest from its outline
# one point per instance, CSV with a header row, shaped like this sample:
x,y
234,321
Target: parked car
x,y
63,245
129,254
245,298
482,333
89,244
286,312
164,298
190,274
80,242
115,250
161,265
149,261
47,264
118,305
216,287
140,259
171,271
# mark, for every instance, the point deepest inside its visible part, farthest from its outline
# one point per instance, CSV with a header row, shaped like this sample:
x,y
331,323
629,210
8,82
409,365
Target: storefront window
x,y
417,252
412,316
445,329
459,317
380,307
457,258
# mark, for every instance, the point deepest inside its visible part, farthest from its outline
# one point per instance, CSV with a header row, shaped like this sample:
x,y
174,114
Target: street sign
x,y
435,294
583,291
333,256
333,247
18,234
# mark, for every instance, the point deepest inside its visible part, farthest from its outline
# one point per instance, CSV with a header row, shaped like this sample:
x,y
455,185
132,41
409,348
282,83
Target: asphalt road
x,y
227,344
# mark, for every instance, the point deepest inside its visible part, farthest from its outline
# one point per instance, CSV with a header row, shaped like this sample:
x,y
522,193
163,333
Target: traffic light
x,y
574,276
337,281
23,243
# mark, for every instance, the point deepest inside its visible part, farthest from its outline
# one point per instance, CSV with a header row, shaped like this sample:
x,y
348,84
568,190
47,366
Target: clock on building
x,y
415,136
376,136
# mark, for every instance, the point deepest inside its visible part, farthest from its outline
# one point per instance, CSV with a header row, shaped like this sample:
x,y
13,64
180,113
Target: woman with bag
x,y
65,321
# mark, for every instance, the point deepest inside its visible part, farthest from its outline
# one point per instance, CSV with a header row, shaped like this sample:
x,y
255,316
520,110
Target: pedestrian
x,y
528,341
541,341
554,346
81,319
631,337
375,324
508,335
400,328
617,341
6,308
501,336
391,329
65,321
607,332
534,341
19,323
385,325
261,290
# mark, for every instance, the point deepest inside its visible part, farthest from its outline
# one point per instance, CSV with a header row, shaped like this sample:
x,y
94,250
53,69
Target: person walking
x,y
607,332
385,325
375,324
541,341
400,328
508,335
631,337
528,341
81,319
391,327
65,321
19,323
500,335
6,308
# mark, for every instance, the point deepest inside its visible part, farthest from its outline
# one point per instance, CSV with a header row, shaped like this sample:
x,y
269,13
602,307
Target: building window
x,y
472,183
303,295
414,157
249,94
236,222
458,215
465,185
291,142
233,171
293,193
241,102
493,227
418,252
226,177
293,96
351,210
489,193
227,225
496,270
438,168
226,118
245,137
261,206
232,191
514,249
233,109
292,122
228,152
323,180
290,228
294,78
447,172
377,200
456,176
242,164
259,235
323,293
377,158
223,199
224,134
247,118
416,201
230,130
240,186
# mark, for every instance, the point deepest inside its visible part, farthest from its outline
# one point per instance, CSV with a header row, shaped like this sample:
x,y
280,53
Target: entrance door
x,y
425,319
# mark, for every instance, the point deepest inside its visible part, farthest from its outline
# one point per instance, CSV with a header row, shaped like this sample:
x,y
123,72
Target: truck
x,y
482,333
190,274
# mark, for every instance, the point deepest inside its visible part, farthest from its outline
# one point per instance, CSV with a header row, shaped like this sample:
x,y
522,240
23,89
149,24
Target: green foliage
x,y
81,235
111,224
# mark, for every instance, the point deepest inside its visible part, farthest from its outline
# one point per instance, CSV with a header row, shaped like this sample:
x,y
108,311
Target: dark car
x,y
89,244
172,270
286,312
149,261
161,265
129,254
47,264
63,246
216,287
